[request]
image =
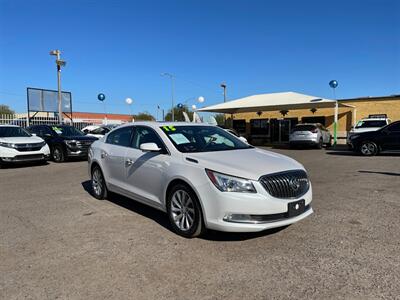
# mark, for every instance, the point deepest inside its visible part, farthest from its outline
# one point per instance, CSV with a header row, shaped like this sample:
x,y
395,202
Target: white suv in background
x,y
372,123
18,145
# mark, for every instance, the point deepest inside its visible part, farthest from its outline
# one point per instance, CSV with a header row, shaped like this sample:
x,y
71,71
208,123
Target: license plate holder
x,y
296,208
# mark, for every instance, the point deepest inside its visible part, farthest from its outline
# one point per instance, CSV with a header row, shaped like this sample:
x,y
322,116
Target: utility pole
x,y
172,77
60,63
223,85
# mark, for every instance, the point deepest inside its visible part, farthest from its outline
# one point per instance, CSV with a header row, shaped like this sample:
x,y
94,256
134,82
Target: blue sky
x,y
121,47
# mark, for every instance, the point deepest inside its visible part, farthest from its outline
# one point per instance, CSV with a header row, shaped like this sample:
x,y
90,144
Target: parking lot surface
x,y
58,242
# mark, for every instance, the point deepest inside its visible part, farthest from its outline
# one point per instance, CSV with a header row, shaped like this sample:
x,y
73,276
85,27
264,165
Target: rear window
x,y
371,123
304,128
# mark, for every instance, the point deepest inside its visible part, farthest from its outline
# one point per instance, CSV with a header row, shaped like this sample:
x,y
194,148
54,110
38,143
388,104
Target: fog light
x,y
237,218
6,158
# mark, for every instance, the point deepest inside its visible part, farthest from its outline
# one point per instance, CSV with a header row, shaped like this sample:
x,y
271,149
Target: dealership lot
x,y
56,241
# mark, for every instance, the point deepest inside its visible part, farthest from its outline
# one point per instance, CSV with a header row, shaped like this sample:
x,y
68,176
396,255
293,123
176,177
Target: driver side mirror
x,y
150,147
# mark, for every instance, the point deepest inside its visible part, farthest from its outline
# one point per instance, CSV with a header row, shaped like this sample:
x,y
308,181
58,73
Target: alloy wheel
x,y
57,155
182,210
368,149
97,182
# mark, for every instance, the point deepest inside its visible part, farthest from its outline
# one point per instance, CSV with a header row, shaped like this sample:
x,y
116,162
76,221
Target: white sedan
x,y
18,145
201,176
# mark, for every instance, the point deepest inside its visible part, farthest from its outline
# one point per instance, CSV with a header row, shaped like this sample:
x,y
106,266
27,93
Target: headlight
x,y
8,145
70,143
226,183
354,136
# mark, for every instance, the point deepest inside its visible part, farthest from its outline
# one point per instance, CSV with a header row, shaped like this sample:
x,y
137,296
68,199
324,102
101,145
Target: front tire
x,y
98,184
369,148
184,211
58,154
320,143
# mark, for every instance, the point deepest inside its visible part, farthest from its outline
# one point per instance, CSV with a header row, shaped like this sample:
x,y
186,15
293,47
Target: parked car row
x,y
42,142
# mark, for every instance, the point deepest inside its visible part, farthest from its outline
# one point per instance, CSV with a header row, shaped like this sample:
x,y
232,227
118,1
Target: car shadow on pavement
x,y
134,206
212,235
162,219
378,172
23,165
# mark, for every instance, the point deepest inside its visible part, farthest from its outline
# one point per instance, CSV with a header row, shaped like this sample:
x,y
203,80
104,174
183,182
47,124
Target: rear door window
x,y
304,128
121,137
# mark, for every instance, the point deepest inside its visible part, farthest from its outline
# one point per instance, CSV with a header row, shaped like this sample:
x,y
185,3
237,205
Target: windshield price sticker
x,y
169,128
179,138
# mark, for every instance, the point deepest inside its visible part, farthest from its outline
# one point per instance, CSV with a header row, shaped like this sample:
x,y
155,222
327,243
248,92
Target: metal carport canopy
x,y
271,102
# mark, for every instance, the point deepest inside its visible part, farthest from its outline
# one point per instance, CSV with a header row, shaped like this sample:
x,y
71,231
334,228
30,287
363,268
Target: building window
x,y
321,120
239,126
259,127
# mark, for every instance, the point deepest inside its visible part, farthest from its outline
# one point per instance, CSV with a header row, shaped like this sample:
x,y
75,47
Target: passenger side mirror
x,y
150,147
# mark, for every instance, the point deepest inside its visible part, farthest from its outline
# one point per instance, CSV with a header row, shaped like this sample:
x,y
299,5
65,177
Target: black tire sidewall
x,y
104,192
368,142
197,228
62,158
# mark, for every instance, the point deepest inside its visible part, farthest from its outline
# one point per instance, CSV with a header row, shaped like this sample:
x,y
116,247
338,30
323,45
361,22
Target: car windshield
x,y
66,131
189,139
13,132
370,123
304,128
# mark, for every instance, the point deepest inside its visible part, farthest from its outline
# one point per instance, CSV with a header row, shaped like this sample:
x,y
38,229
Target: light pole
x,y
60,63
333,84
172,77
223,85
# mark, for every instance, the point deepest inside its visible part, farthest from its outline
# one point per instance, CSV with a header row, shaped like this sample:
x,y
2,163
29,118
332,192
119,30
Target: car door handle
x,y
103,154
128,162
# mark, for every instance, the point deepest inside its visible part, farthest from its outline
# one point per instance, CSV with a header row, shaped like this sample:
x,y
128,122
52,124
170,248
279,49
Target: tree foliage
x,y
6,110
143,116
220,119
178,114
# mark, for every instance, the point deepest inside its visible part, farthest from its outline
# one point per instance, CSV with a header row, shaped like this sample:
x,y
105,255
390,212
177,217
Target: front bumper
x,y
303,142
266,211
10,155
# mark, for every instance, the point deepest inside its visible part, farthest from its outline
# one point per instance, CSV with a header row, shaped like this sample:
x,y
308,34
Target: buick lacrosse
x,y
201,176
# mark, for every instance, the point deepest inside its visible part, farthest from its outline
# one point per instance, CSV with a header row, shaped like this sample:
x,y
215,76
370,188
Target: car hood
x,y
80,138
368,129
21,140
246,163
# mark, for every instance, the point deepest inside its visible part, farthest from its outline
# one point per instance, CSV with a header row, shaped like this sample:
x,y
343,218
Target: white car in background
x,y
98,130
18,145
201,176
367,124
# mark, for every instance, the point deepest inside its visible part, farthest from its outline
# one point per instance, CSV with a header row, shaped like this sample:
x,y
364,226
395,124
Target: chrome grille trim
x,y
286,185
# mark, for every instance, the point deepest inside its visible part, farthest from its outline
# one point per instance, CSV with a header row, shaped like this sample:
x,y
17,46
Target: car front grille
x,y
28,157
286,185
84,144
29,147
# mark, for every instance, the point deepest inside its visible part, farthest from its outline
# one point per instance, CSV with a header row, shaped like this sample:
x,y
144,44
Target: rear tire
x,y
184,211
58,154
320,143
369,148
98,184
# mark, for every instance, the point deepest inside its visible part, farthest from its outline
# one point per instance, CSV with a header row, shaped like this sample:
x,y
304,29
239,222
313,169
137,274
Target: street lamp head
x,y
194,107
223,85
54,52
61,63
200,99
128,101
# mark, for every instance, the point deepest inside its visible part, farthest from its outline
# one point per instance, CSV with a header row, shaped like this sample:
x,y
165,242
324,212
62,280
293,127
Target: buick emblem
x,y
294,183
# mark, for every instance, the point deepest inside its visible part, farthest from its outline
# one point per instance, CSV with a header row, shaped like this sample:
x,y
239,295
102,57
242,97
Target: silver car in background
x,y
310,134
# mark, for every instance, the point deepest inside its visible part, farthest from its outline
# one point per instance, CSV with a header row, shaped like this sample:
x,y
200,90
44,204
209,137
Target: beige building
x,y
274,126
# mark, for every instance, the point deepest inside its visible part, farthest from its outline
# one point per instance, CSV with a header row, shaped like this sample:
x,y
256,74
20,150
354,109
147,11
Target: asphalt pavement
x,y
58,242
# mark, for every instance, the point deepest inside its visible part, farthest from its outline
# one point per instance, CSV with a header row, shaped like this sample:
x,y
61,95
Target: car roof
x,y
374,119
6,125
160,124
